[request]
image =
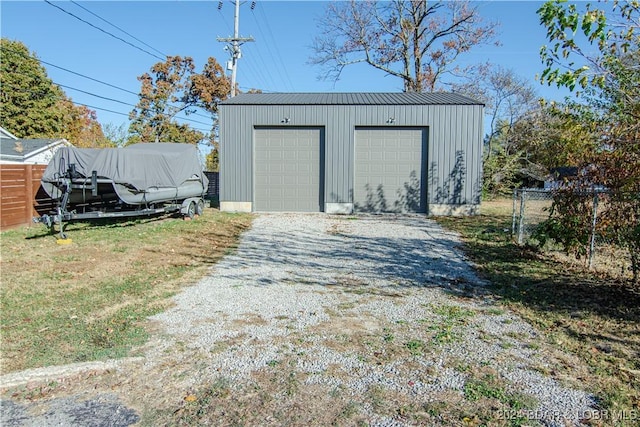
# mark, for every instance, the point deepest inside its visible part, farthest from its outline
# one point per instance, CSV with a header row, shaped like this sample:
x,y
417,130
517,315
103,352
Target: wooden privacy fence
x,y
21,196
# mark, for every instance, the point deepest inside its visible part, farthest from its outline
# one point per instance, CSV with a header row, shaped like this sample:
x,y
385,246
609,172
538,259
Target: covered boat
x,y
137,174
139,179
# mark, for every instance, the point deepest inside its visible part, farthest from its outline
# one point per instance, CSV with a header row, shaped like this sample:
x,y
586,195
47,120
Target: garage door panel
x,y
306,156
276,181
277,193
288,155
289,178
289,167
289,193
290,181
389,170
270,171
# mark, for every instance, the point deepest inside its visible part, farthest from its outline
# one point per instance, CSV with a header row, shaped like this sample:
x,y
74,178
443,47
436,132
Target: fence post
x,y
592,243
513,219
523,196
28,184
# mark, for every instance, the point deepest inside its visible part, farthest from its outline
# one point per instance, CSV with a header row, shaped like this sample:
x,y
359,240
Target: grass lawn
x,y
594,316
88,300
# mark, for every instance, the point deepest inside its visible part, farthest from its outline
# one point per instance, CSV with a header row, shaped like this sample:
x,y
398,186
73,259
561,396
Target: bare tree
x,y
416,40
507,98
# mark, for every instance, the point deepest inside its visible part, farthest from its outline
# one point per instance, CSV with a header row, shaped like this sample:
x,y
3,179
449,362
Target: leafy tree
x,y
153,117
173,87
416,41
210,87
81,126
34,107
598,40
30,100
212,161
597,51
551,137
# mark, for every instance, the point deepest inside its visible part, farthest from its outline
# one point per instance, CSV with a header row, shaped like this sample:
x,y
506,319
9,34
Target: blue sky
x,y
276,61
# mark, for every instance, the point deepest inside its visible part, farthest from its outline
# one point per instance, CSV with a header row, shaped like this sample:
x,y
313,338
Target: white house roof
x,y
5,134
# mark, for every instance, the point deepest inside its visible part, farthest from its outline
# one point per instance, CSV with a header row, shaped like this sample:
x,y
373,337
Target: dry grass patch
x,y
274,396
593,316
89,300
249,319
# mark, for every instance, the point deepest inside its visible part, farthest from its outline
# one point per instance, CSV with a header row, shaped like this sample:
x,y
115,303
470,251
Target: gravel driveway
x,y
365,305
368,320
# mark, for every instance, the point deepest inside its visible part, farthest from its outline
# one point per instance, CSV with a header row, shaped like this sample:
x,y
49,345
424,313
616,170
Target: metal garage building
x,y
351,152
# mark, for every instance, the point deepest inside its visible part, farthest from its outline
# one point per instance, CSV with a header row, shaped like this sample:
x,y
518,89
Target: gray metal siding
x,y
454,155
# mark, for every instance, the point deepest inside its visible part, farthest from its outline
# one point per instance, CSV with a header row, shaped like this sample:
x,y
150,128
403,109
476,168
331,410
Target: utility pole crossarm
x,y
235,39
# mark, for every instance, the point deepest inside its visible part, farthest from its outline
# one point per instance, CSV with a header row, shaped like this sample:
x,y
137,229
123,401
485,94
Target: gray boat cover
x,y
142,166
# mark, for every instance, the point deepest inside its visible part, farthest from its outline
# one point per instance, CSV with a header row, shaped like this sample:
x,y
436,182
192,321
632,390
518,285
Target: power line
x,y
107,84
262,75
266,77
223,18
100,96
93,94
277,50
115,26
125,103
92,79
263,90
104,31
86,77
126,114
67,70
101,108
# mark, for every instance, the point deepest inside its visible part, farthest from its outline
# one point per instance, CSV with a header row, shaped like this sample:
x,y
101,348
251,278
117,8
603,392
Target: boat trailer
x,y
94,210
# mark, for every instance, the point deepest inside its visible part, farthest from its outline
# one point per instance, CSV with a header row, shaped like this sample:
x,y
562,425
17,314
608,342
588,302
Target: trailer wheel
x,y
191,210
200,207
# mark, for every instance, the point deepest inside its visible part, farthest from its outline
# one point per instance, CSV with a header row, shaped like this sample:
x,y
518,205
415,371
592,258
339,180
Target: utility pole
x,y
235,42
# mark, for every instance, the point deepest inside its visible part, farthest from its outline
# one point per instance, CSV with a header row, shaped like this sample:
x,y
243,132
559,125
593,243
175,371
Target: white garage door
x,y
389,170
288,170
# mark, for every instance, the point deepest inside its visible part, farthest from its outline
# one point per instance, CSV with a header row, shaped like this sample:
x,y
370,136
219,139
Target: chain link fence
x,y
532,206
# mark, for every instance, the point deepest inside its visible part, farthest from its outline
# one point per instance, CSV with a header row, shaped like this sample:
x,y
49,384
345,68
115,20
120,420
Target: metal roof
x,y
371,98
